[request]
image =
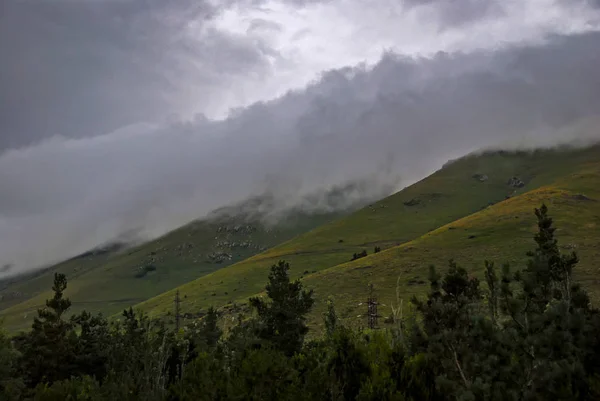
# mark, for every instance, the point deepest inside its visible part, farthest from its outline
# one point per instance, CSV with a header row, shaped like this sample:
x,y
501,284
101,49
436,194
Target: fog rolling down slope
x,y
478,207
116,276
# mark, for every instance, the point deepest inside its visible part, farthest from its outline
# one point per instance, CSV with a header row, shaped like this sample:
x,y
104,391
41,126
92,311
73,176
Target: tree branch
x,y
462,374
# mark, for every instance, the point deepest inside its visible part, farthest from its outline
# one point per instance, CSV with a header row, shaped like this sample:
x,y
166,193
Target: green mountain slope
x,y
109,281
15,290
474,208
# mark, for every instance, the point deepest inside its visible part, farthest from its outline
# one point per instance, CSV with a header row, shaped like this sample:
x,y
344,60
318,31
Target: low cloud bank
x,y
385,126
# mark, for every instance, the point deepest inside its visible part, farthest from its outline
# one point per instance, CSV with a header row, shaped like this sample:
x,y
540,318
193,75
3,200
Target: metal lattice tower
x,y
177,310
372,309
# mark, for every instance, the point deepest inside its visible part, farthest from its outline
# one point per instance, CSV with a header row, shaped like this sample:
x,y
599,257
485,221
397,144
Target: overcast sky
x,y
120,114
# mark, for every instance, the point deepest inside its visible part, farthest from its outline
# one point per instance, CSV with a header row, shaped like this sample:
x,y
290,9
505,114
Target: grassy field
x,y
467,211
476,208
112,281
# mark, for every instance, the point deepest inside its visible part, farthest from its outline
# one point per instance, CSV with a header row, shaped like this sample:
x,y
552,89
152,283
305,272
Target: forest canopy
x,y
520,334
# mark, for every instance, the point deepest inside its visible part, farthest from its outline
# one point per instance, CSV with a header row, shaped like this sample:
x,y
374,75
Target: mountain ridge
x,y
320,253
450,194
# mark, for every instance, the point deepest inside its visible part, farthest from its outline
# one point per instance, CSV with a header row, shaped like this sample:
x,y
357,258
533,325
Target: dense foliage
x,y
528,335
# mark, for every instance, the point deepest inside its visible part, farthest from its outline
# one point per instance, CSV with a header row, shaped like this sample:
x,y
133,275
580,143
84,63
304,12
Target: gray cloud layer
x,y
404,115
82,68
451,13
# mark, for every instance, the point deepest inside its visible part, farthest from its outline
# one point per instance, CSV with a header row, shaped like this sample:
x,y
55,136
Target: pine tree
x,y
283,320
139,354
93,344
10,382
330,318
348,365
546,321
49,350
548,274
210,331
449,324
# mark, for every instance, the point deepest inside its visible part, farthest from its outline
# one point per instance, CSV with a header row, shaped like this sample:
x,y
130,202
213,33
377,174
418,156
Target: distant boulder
x,y
515,182
412,202
480,177
144,270
219,257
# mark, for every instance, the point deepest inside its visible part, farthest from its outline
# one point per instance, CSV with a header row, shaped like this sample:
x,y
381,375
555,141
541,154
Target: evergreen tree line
x,y
527,334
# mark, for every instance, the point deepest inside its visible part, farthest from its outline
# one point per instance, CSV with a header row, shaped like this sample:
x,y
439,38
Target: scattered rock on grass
x,y
515,182
412,202
480,177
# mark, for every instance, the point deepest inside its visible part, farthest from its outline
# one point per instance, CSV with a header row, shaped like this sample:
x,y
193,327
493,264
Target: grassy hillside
x,y
115,278
475,208
16,289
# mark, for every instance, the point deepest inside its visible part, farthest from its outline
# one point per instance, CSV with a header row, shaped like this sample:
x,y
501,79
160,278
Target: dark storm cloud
x,y
84,68
81,68
403,116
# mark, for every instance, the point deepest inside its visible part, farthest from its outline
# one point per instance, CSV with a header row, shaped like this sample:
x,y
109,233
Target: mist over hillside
x,y
382,126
